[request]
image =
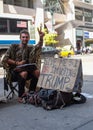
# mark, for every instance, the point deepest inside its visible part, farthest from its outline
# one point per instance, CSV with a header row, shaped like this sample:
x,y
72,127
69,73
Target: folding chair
x,y
10,87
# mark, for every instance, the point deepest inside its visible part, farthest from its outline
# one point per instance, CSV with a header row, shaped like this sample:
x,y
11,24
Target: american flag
x,y
21,24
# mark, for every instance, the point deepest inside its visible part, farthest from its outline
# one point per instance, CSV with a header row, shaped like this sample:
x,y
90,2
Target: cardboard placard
x,y
61,74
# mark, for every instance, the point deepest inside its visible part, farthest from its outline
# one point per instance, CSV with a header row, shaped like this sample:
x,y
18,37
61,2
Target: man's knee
x,y
24,74
37,73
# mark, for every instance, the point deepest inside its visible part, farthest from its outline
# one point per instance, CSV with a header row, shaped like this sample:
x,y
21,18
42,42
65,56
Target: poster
x,y
61,73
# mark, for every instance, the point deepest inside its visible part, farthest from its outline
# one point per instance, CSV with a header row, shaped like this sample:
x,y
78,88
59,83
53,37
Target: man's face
x,y
24,38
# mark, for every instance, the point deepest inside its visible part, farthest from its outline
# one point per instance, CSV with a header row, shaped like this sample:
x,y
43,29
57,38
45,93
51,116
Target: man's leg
x,y
21,82
33,83
34,80
21,85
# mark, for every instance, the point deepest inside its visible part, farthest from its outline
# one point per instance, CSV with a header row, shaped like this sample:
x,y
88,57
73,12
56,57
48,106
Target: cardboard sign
x,y
61,74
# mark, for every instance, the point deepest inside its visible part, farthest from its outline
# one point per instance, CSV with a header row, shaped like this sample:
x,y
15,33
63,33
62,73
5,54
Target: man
x,y
19,54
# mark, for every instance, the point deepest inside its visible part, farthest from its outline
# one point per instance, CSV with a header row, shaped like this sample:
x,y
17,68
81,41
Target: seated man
x,y
19,54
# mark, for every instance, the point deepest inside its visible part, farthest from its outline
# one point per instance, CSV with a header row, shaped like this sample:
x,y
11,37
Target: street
x,y
16,116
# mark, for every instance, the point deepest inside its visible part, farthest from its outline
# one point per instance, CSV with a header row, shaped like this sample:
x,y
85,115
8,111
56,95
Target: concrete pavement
x,y
75,117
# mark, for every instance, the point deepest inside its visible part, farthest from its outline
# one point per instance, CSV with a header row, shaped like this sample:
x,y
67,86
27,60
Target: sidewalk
x,y
75,117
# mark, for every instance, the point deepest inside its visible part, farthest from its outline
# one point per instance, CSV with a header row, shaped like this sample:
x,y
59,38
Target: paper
x,y
26,67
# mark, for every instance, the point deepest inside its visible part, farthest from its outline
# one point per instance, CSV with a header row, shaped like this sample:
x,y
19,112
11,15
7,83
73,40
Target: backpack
x,y
53,99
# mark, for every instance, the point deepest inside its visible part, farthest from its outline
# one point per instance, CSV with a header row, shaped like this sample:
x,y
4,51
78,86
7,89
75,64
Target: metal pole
x,y
52,20
43,3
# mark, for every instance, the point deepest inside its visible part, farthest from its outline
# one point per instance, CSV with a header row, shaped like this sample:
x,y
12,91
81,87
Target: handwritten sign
x,y
60,74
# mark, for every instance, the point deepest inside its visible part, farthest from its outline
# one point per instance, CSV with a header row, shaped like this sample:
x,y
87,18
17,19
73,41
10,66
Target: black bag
x,y
47,94
52,99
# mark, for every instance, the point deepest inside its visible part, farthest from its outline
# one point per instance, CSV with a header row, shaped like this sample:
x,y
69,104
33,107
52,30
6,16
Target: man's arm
x,y
41,35
9,57
13,62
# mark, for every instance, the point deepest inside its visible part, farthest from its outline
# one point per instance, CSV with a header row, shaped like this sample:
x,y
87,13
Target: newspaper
x,y
27,67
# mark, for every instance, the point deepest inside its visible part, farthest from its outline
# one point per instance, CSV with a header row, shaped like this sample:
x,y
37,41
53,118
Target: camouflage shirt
x,y
31,54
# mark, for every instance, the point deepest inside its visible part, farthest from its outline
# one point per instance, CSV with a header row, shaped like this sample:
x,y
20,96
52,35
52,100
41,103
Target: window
x,y
30,3
18,2
79,14
17,25
88,15
12,25
88,1
11,2
87,19
3,25
22,3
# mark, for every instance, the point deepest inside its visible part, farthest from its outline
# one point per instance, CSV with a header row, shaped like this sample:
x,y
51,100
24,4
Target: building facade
x,y
71,19
84,13
18,14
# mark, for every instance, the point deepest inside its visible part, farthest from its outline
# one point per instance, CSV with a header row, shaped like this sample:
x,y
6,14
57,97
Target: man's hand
x,y
20,62
41,33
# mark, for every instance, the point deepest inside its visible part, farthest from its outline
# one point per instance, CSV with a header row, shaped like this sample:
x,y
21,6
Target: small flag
x,y
21,24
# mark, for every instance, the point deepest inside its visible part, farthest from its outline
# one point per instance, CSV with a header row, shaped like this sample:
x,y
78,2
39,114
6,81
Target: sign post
x,y
39,21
